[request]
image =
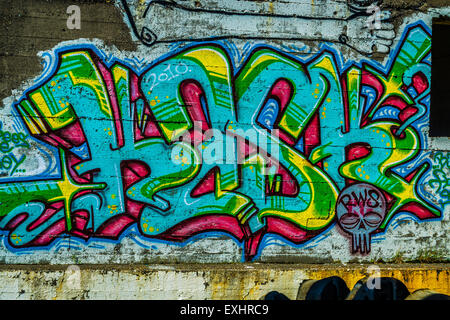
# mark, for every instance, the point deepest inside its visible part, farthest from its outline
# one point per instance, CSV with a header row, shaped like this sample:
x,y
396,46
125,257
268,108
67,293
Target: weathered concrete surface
x,y
29,27
190,281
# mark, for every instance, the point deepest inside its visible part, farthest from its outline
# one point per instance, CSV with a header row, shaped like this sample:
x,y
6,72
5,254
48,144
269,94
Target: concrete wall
x,y
220,131
198,282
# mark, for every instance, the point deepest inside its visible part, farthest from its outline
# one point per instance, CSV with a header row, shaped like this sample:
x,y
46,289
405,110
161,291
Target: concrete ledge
x,y
197,281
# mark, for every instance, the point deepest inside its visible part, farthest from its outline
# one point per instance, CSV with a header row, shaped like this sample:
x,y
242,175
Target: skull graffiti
x,y
360,209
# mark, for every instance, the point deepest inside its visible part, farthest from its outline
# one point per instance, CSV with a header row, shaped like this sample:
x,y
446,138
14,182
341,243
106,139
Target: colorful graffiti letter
x,y
191,145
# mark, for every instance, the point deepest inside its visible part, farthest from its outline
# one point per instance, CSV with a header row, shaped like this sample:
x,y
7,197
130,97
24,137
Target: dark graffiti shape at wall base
x,y
191,145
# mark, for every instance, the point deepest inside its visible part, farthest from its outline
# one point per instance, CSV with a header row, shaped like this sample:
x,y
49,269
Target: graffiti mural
x,y
11,141
440,181
193,144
